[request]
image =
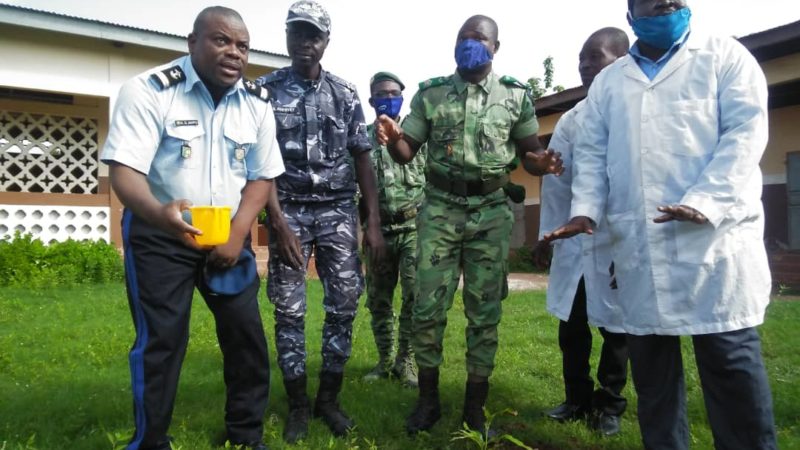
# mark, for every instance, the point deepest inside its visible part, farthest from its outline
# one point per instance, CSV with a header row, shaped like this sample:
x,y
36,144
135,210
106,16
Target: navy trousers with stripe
x,y
161,275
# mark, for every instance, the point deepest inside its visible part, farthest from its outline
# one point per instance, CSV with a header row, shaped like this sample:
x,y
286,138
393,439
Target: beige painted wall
x,y
519,176
59,62
784,137
783,69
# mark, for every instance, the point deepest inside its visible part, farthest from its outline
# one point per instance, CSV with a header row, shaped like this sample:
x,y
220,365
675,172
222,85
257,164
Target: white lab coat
x,y
693,136
587,256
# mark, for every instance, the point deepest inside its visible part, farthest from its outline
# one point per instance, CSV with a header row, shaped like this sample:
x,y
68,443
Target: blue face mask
x,y
471,54
662,31
388,105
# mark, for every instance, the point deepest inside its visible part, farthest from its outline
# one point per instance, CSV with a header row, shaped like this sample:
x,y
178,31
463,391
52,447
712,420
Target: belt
x,y
468,188
398,217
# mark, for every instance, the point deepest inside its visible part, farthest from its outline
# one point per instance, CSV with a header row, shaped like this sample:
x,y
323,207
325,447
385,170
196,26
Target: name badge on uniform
x,y
185,123
238,153
186,151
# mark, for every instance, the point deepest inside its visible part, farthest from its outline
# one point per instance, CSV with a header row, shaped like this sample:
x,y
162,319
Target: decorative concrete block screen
x,y
59,223
46,153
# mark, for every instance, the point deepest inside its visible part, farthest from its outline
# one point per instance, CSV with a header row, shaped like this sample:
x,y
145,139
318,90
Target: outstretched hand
x,y
576,225
387,131
681,213
545,162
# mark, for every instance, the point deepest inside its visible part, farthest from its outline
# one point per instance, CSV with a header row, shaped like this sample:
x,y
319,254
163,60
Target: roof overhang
x,y
47,21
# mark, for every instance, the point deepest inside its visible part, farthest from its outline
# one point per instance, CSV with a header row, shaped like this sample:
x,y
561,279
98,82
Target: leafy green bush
x,y
520,260
25,261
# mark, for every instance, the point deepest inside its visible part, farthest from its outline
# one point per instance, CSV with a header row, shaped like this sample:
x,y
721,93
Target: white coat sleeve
x,y
743,134
589,175
555,197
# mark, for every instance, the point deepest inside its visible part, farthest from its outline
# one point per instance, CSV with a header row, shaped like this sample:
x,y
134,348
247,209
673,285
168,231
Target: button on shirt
x,y
187,147
470,128
320,126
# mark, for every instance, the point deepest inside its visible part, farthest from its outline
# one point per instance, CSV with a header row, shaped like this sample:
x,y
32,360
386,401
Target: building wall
x,y
91,71
784,137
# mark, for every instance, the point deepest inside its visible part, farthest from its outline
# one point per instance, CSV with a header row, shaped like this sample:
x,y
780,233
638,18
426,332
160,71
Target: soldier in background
x,y
476,125
323,140
400,190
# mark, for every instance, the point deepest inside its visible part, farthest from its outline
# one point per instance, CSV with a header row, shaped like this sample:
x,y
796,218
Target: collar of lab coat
x,y
684,54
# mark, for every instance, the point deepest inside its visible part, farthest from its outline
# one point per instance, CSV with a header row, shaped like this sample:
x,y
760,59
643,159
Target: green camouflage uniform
x,y
400,190
465,221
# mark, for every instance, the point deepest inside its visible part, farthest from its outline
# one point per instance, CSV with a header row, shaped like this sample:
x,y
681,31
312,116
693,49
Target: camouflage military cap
x,y
383,76
311,12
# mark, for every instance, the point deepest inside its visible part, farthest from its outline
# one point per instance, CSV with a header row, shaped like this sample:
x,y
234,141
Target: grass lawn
x,y
64,379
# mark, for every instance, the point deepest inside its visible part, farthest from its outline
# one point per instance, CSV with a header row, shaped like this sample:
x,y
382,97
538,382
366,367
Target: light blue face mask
x,y
471,54
662,31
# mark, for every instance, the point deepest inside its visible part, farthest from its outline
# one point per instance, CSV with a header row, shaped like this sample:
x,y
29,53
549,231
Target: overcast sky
x,y
415,38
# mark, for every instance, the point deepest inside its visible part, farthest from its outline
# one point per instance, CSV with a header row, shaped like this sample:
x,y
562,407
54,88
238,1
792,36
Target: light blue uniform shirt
x,y
652,68
188,148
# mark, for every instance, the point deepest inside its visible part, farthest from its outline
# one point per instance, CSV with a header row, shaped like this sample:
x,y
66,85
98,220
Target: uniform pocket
x,y
184,145
683,136
290,136
625,237
336,137
701,243
238,142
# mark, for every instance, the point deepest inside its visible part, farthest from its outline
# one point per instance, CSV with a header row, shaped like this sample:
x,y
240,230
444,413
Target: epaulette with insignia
x,y
259,91
511,81
168,77
433,82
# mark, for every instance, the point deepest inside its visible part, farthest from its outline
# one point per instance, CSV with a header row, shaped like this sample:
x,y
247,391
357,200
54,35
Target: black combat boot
x,y
475,396
299,410
428,410
327,408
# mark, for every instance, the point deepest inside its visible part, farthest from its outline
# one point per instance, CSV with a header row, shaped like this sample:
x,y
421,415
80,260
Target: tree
x,y
539,86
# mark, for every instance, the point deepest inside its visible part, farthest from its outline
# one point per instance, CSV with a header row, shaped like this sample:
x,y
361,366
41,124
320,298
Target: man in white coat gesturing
x,y
579,288
668,155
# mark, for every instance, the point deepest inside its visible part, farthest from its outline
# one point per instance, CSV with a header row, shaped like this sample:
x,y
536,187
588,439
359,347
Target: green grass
x,y
64,380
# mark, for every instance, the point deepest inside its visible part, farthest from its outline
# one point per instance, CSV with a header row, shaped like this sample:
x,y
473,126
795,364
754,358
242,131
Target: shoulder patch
x,y
511,81
168,77
341,81
433,82
275,75
259,91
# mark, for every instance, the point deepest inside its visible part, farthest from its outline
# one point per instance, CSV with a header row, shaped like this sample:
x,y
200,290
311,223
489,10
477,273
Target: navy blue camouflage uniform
x,y
320,126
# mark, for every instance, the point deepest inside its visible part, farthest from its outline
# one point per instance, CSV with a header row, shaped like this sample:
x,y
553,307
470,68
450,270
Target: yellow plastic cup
x,y
214,222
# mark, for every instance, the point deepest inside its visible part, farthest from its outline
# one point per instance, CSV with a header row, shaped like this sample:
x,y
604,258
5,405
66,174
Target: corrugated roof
x,y
52,21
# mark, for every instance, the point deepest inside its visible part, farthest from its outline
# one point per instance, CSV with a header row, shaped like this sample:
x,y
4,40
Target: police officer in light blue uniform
x,y
194,132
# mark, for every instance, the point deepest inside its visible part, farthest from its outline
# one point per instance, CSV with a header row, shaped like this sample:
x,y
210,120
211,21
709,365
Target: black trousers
x,y
575,340
161,275
735,389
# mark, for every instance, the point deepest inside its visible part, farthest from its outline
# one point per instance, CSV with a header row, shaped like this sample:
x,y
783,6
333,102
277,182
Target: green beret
x,y
383,76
